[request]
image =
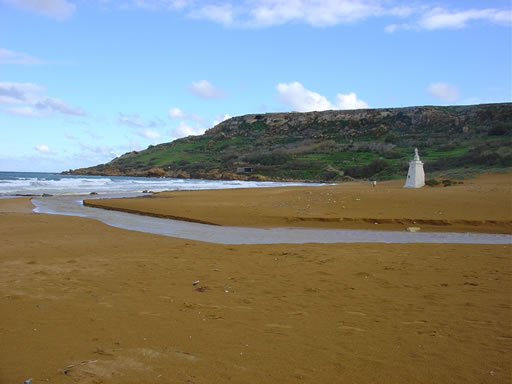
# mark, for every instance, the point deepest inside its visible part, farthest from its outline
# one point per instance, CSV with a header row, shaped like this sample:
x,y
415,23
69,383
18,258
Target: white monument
x,y
416,174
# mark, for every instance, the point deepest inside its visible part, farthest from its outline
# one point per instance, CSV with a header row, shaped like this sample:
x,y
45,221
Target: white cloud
x,y
69,136
391,28
22,111
431,19
350,101
176,113
221,14
95,153
43,148
136,121
34,103
264,13
59,9
102,149
55,105
148,134
19,93
160,4
443,91
220,119
304,100
131,120
301,99
439,18
11,57
325,13
206,90
184,129
314,12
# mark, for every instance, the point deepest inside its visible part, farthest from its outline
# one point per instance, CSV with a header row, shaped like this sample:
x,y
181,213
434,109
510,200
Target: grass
x,y
311,152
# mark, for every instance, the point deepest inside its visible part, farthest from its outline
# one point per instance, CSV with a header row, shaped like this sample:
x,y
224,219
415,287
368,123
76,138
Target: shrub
x,y
391,155
447,147
500,129
431,182
275,158
366,171
329,175
391,139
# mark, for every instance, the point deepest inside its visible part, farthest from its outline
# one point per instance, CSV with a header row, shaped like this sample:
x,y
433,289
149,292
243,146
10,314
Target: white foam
x,y
19,184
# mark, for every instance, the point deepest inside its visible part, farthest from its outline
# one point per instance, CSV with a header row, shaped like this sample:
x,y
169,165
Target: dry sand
x,y
483,204
82,302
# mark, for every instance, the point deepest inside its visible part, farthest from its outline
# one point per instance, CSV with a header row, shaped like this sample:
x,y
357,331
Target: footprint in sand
x,y
355,313
278,326
349,328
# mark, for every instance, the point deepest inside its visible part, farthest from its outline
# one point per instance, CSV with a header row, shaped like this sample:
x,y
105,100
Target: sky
x,y
84,81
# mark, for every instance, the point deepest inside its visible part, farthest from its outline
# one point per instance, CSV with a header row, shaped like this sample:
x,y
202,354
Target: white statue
x,y
416,174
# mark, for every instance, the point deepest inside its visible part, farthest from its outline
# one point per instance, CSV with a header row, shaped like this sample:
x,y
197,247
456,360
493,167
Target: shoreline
x,y
481,205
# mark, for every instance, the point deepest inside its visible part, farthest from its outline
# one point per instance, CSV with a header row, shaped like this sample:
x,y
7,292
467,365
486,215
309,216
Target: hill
x,y
330,145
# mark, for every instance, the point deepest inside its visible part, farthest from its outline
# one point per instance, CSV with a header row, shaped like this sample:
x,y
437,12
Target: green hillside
x,y
331,145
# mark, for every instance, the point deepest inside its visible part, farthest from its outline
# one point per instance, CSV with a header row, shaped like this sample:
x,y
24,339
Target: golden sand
x,y
82,302
483,204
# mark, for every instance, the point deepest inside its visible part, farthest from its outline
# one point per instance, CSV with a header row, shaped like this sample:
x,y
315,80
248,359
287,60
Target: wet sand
x,y
82,302
483,204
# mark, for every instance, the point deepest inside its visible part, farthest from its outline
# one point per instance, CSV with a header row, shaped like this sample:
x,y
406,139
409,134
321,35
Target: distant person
x,y
374,183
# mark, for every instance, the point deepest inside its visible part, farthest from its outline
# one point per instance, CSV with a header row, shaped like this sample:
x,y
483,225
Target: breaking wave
x,y
22,183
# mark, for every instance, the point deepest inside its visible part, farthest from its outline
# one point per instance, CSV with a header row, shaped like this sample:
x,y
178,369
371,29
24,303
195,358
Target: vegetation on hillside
x,y
332,145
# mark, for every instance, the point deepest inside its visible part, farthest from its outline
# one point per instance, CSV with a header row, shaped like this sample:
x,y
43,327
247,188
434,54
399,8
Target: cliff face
x,y
349,121
330,145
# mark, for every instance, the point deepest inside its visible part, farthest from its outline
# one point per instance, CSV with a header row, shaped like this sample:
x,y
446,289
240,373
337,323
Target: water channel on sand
x,y
72,205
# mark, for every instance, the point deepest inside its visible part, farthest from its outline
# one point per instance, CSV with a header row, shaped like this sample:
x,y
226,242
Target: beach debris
x,y
47,195
413,229
28,381
491,373
196,282
68,368
201,289
93,193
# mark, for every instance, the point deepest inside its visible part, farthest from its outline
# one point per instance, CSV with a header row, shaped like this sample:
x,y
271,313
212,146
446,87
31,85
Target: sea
x,y
37,183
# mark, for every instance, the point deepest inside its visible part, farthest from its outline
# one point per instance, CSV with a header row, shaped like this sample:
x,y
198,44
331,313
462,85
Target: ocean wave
x,y
38,184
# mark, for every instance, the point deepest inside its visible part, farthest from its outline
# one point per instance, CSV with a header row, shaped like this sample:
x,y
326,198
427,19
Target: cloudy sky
x,y
82,81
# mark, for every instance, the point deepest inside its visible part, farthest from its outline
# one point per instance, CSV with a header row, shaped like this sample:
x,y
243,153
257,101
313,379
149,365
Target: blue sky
x,y
82,81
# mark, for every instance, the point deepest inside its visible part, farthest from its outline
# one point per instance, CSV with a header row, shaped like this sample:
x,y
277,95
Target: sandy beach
x,y
82,302
482,204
